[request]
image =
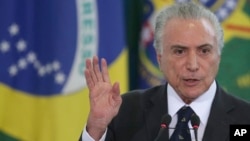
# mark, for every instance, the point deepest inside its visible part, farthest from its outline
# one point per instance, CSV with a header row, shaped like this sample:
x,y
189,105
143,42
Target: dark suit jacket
x,y
141,111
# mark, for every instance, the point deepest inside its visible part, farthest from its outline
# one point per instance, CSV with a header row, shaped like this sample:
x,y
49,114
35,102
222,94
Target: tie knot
x,y
185,113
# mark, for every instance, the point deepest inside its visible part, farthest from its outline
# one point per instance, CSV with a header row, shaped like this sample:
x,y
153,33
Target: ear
x,y
159,60
219,58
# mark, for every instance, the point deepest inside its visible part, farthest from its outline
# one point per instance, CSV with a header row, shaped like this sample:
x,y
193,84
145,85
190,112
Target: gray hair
x,y
186,10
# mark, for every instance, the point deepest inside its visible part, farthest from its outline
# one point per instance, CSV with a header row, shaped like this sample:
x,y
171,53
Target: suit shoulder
x,y
141,94
239,101
240,108
231,99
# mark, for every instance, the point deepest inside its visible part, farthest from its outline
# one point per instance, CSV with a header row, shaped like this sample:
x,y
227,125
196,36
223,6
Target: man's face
x,y
190,57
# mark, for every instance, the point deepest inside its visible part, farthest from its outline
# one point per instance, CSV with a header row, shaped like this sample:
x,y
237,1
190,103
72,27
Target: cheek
x,y
215,68
171,69
214,64
211,67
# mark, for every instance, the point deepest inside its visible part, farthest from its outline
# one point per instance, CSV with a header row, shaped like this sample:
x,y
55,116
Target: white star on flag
x,y
60,78
41,71
31,57
56,65
48,68
222,13
230,4
22,64
13,29
21,45
13,70
4,46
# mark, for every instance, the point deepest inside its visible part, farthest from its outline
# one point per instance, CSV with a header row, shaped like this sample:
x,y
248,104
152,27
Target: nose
x,y
192,62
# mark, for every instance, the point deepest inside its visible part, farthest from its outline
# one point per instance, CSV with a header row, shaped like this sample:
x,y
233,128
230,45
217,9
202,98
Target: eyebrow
x,y
185,47
205,45
178,46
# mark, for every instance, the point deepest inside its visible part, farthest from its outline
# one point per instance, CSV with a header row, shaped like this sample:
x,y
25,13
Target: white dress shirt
x,y
201,106
87,137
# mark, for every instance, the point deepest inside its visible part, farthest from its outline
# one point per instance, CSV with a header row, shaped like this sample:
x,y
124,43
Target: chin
x,y
193,95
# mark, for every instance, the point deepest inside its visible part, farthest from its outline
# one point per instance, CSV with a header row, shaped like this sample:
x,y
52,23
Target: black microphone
x,y
195,122
166,119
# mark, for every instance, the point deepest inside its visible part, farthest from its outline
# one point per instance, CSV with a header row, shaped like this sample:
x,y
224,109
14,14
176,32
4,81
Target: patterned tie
x,y
182,132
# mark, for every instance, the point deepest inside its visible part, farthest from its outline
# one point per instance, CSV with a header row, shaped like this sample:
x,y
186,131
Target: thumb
x,y
116,89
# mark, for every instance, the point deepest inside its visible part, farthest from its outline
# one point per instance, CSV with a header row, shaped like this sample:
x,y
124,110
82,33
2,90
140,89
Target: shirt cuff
x,y
87,137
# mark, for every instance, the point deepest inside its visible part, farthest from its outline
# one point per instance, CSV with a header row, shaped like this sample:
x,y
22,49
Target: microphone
x,y
195,122
166,119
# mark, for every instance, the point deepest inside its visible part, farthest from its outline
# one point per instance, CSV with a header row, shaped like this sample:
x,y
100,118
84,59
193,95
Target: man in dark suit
x,y
188,43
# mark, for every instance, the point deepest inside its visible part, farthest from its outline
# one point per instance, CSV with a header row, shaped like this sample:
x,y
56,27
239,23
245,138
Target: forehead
x,y
188,31
199,24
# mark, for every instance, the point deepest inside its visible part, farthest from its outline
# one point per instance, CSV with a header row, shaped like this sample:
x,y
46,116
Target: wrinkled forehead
x,y
195,24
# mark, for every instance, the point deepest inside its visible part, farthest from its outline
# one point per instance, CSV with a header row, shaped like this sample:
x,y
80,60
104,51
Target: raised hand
x,y
105,99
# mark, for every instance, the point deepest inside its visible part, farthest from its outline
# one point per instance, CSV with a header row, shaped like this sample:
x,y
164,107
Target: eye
x,y
205,51
179,51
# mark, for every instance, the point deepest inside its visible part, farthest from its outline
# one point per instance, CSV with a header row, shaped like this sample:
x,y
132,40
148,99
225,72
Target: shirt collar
x,y
201,105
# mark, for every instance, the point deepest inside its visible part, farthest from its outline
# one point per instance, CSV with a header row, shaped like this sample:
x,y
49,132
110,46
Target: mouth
x,y
191,82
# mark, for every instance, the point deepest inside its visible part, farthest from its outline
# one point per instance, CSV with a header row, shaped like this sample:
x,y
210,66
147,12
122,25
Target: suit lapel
x,y
155,108
218,120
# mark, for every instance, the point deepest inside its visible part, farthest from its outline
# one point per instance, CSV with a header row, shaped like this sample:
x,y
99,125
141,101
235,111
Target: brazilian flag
x,y
43,48
234,72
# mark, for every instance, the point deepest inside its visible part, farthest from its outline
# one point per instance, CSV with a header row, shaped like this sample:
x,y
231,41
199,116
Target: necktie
x,y
182,132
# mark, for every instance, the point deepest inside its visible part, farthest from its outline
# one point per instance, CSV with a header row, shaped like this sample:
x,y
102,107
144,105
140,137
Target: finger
x,y
89,80
88,74
105,72
90,70
97,68
89,66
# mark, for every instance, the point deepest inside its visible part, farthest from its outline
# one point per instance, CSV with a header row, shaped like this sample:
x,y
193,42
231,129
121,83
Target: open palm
x,y
105,99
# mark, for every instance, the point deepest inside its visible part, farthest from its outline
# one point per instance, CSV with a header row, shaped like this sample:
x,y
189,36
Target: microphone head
x,y
165,120
195,121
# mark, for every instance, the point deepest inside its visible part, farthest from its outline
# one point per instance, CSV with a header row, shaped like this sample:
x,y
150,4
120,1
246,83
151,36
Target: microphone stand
x,y
195,122
195,133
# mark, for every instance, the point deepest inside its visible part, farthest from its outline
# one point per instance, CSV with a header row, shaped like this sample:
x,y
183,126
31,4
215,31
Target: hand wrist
x,y
95,133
